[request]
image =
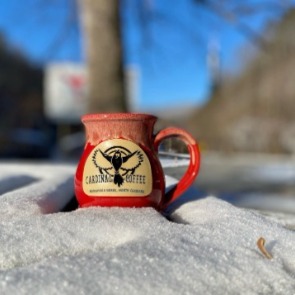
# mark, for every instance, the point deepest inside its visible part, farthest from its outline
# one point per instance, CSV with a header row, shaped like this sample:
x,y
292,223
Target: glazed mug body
x,y
120,166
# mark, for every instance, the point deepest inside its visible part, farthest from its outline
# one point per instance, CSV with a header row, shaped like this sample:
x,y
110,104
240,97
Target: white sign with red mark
x,y
65,92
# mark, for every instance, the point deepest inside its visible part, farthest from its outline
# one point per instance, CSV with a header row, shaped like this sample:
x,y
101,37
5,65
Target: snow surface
x,y
267,201
205,246
30,189
166,162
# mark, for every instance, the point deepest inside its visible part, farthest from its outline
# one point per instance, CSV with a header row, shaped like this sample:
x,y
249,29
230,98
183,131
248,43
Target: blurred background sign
x,y
65,92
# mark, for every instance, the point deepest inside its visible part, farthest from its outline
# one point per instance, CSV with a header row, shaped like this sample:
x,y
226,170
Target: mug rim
x,y
117,116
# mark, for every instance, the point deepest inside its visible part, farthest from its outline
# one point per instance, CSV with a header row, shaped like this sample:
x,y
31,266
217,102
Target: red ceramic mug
x,y
120,166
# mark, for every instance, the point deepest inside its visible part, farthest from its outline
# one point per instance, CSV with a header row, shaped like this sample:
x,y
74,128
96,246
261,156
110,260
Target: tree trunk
x,y
102,41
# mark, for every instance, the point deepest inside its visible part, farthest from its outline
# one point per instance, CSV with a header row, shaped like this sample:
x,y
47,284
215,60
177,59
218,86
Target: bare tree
x,y
103,47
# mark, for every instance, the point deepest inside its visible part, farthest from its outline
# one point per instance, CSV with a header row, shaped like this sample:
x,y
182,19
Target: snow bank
x,y
205,246
266,201
176,162
209,246
30,189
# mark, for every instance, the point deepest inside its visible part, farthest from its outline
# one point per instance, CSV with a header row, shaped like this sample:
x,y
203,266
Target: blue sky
x,y
167,43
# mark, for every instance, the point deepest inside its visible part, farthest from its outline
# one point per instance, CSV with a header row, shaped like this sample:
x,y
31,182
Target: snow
x,y
267,201
204,246
176,162
282,173
30,189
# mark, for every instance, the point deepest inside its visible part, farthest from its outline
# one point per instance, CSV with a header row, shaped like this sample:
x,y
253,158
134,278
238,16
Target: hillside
x,y
255,111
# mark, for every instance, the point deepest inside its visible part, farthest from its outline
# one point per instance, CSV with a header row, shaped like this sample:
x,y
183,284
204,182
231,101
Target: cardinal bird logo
x,y
117,162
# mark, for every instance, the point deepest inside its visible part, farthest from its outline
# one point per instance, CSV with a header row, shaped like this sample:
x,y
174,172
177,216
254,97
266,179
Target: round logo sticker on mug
x,y
117,167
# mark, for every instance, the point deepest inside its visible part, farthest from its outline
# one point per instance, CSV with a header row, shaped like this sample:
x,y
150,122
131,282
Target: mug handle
x,y
193,167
